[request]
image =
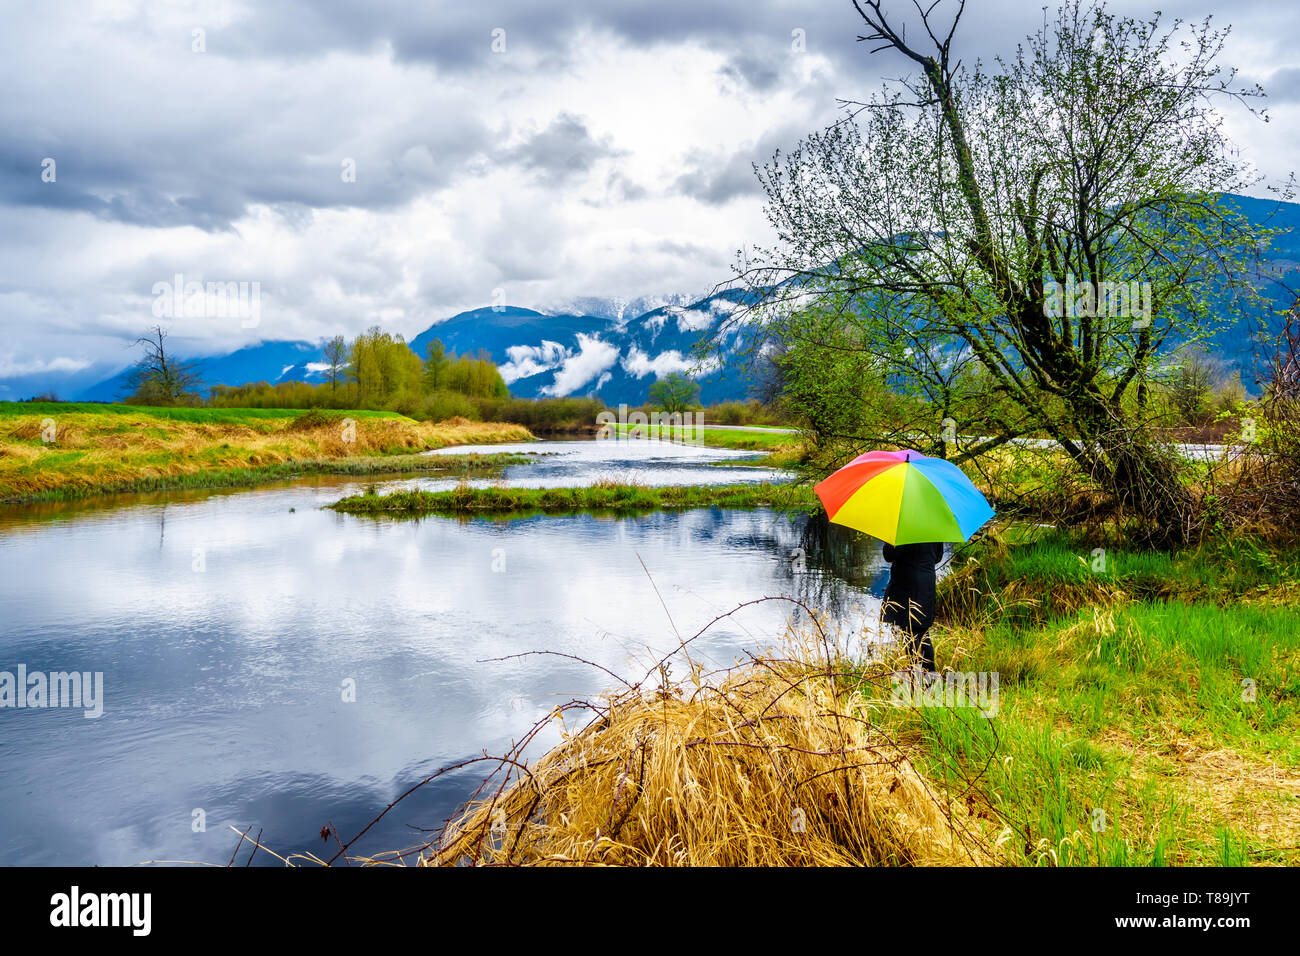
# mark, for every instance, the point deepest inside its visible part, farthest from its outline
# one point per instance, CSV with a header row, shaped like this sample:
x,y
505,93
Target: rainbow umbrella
x,y
904,497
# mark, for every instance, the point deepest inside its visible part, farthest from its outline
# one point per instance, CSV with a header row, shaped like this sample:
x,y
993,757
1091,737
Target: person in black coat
x,y
909,596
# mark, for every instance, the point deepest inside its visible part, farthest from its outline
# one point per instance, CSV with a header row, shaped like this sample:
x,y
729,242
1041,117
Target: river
x,y
229,626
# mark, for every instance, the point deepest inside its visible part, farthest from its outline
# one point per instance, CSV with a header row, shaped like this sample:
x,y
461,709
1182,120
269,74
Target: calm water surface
x,y
226,624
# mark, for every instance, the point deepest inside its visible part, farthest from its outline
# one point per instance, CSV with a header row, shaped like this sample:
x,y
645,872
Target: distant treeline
x,y
378,370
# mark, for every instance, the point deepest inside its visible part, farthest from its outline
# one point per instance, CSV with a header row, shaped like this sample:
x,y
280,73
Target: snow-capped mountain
x,y
612,358
618,308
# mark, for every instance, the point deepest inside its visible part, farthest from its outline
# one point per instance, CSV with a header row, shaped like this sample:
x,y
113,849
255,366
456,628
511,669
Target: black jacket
x,y
911,585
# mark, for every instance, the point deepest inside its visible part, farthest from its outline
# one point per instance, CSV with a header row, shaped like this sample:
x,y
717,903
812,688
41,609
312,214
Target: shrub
x,y
543,414
442,404
311,420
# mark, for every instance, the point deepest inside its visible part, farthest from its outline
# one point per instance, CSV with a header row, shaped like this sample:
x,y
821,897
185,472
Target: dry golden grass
x,y
778,763
1258,798
93,452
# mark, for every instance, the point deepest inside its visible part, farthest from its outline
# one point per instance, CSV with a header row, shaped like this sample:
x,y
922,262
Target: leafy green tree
x,y
383,367
1191,387
476,376
674,393
435,365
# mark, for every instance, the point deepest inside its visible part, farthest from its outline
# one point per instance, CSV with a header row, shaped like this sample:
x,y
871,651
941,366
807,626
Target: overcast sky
x,y
528,152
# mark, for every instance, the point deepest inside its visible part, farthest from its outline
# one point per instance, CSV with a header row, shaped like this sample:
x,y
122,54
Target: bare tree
x,y
159,378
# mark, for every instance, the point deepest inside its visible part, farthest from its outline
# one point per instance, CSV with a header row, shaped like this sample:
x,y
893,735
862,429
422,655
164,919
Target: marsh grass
x,y
1030,575
602,496
448,466
755,771
113,448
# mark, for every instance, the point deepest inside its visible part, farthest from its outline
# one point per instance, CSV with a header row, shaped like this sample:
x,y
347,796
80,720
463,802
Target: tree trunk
x,y
1139,474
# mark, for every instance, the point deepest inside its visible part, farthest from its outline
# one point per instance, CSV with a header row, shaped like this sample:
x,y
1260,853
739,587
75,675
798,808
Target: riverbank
x,y
1145,712
51,451
601,496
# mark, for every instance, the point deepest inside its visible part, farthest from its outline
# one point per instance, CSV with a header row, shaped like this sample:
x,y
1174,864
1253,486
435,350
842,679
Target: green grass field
x,y
1149,713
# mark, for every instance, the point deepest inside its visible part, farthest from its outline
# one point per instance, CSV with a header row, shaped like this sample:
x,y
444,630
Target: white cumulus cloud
x,y
11,365
528,360
640,364
592,359
694,320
